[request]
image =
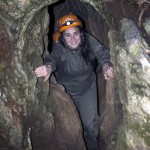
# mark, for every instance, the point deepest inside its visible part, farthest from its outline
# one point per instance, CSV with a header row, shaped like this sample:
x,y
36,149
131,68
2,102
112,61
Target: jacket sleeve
x,y
99,51
53,58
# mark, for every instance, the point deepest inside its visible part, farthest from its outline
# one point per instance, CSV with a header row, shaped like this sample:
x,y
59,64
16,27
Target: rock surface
x,y
23,103
133,83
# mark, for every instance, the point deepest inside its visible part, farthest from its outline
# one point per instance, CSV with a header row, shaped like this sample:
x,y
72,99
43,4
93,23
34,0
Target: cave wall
x,y
60,127
132,68
20,54
24,116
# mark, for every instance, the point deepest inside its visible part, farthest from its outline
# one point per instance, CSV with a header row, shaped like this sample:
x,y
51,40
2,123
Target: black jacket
x,y
71,68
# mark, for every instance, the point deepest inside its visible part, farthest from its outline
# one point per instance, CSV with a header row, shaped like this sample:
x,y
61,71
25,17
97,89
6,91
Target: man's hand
x,y
43,71
108,71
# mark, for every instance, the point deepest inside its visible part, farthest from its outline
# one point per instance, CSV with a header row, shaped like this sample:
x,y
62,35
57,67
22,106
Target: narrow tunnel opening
x,y
93,24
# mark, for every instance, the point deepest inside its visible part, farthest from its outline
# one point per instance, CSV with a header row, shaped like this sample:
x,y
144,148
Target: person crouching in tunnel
x,y
73,60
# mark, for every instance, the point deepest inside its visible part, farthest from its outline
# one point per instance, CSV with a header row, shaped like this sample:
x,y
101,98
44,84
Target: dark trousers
x,y
87,107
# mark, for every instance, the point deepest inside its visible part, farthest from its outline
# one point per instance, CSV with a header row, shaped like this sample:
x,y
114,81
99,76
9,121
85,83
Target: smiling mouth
x,y
74,43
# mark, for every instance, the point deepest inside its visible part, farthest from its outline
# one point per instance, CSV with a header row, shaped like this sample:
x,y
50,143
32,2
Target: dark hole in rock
x,y
95,25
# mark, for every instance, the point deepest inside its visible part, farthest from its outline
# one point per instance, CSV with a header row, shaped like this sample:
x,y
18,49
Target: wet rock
x,y
27,114
147,26
132,67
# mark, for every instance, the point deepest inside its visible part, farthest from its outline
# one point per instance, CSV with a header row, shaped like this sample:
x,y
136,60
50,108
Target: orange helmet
x,y
68,21
56,36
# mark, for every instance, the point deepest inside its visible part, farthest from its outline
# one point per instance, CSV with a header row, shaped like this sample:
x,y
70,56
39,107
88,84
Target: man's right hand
x,y
43,71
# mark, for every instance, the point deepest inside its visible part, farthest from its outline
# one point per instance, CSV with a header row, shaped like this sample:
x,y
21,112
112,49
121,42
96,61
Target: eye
x,y
67,35
77,33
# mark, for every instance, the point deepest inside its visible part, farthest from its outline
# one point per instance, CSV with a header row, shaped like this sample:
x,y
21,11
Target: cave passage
x,y
95,25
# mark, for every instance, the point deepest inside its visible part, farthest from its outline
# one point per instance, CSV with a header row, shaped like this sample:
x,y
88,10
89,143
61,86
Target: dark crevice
x,y
93,24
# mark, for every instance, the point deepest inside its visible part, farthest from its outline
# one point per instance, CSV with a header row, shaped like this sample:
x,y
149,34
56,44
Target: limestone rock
x,y
133,81
147,25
